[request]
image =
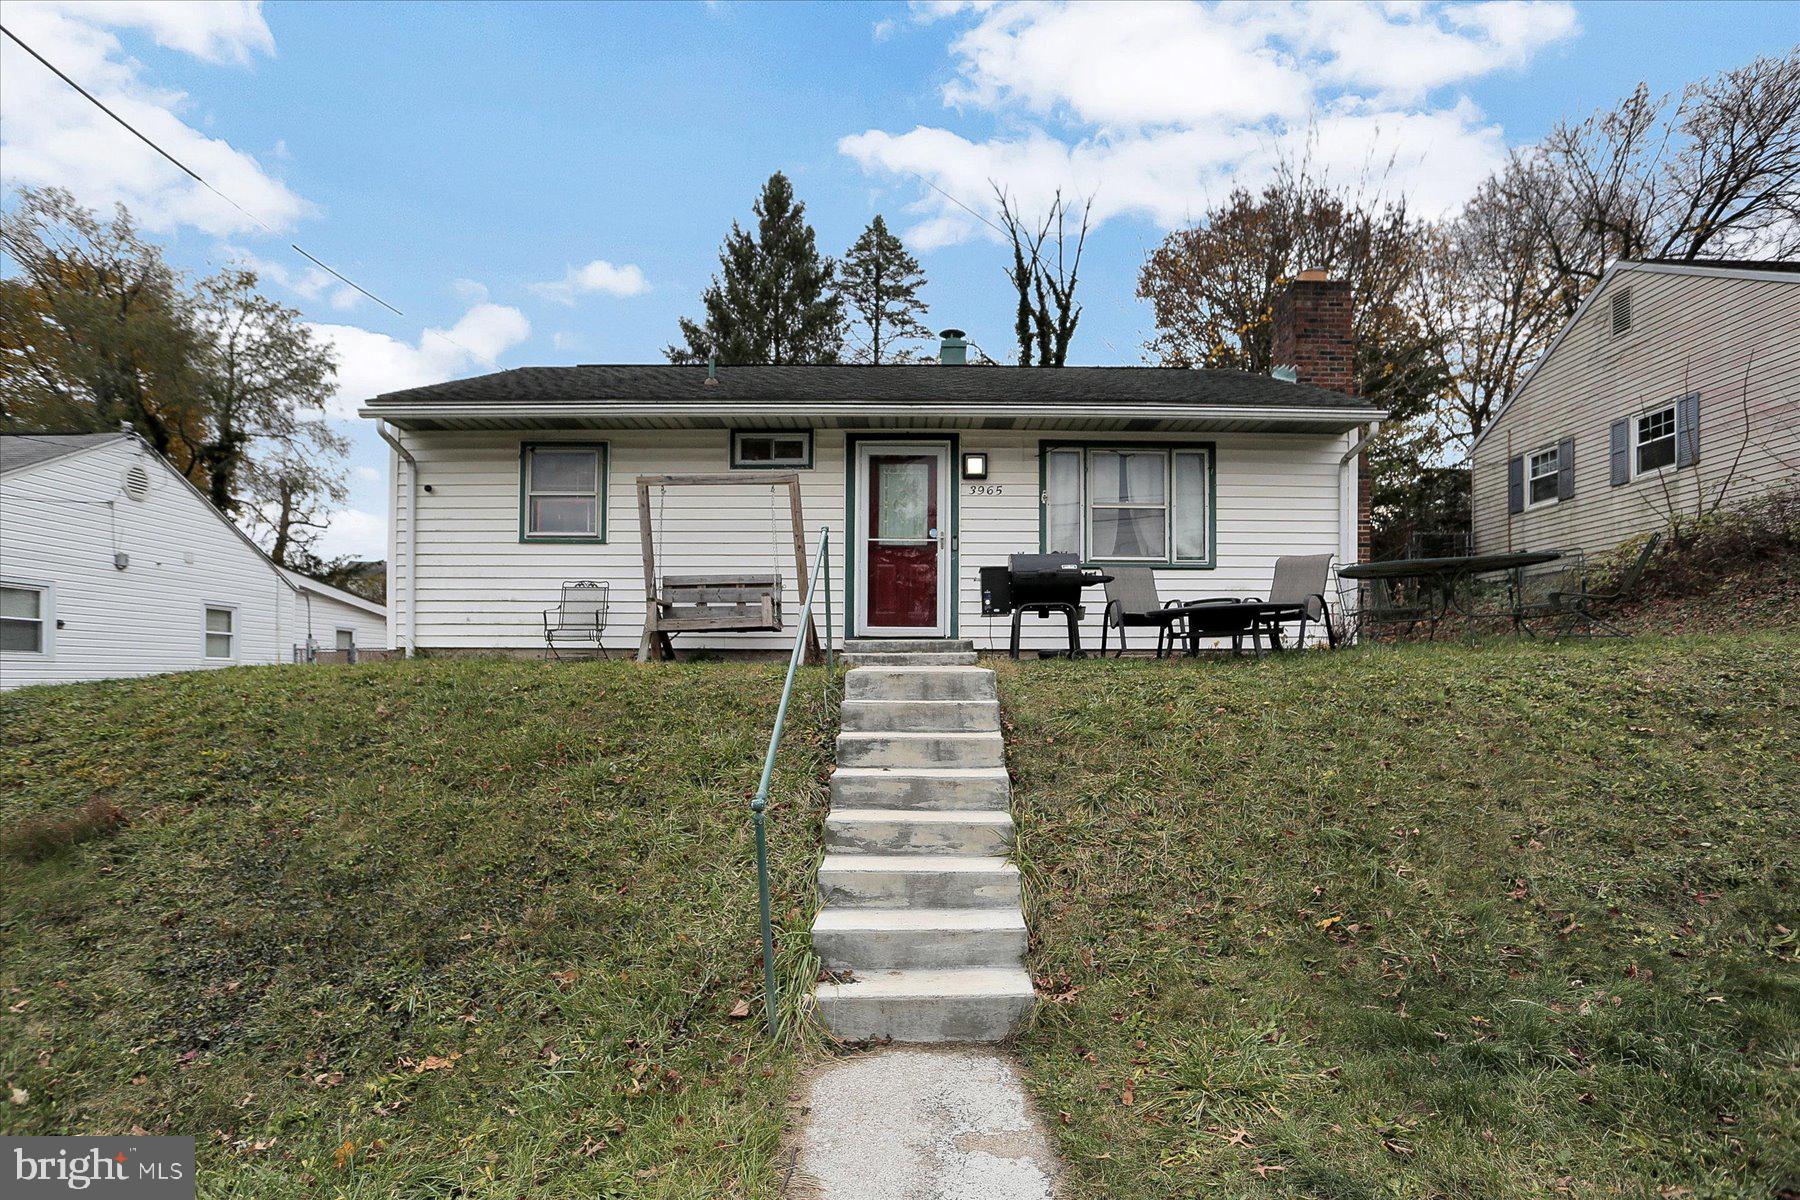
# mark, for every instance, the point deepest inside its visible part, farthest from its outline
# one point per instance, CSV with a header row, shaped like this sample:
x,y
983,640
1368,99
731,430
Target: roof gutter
x,y
677,408
412,536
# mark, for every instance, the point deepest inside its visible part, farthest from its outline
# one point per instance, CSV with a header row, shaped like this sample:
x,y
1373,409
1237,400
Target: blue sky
x,y
550,183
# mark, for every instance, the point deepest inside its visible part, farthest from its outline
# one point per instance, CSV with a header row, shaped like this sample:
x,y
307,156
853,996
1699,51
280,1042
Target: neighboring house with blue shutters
x,y
1674,390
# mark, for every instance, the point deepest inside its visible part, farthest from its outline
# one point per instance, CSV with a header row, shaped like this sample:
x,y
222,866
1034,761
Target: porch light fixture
x,y
974,465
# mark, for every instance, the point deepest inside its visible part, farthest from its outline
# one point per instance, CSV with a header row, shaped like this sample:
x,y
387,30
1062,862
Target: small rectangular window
x,y
750,450
346,639
221,632
1655,440
22,619
1541,474
564,492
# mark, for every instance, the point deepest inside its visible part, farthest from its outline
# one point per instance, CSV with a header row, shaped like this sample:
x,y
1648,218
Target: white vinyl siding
x,y
1732,340
65,521
481,588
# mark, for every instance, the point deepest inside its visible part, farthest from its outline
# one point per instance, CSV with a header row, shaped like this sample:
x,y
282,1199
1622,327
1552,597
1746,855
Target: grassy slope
x,y
334,881
1512,920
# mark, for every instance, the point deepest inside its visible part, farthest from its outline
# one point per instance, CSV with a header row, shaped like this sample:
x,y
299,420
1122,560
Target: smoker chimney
x,y
953,349
1312,333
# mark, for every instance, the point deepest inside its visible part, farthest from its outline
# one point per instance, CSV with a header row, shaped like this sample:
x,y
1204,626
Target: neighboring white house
x,y
506,485
1674,390
113,564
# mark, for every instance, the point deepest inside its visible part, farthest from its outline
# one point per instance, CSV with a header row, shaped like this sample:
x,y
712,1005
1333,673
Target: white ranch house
x,y
112,564
506,486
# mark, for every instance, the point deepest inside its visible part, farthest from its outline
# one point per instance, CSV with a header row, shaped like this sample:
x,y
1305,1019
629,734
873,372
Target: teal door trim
x,y
851,442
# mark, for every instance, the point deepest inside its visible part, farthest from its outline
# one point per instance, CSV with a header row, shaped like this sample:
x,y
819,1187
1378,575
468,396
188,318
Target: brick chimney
x,y
1314,345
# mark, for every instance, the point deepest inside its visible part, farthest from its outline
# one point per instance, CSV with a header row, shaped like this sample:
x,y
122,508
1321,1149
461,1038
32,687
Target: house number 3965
x,y
984,489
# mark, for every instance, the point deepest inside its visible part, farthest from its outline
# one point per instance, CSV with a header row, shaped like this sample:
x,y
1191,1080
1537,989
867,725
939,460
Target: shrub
x,y
1701,553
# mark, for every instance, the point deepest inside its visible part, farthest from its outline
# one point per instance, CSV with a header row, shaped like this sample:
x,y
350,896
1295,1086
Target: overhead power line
x,y
197,178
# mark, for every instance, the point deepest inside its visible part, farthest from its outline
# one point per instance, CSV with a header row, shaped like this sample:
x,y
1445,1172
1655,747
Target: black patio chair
x,y
579,619
1585,613
1299,582
1132,602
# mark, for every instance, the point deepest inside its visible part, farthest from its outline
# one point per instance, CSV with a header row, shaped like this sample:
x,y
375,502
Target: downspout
x,y
412,536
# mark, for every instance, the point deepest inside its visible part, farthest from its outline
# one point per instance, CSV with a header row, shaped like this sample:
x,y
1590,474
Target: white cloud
x,y
368,474
371,363
1115,65
221,31
354,533
52,136
883,29
1158,109
598,277
1406,53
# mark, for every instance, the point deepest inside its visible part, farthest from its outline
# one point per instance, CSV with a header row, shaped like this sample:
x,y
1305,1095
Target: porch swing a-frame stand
x,y
723,602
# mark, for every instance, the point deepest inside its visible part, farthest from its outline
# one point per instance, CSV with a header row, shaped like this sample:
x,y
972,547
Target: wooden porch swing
x,y
721,602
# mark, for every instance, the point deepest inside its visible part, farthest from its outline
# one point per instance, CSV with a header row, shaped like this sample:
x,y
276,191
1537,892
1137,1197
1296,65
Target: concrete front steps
x,y
922,908
902,652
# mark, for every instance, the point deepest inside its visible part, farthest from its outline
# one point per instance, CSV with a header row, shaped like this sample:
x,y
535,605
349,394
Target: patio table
x,y
1234,618
1442,580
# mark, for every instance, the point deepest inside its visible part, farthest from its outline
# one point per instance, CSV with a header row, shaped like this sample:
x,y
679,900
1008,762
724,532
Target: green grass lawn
x,y
1430,921
421,929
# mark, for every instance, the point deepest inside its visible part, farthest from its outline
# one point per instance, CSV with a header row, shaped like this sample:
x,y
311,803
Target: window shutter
x,y
1620,447
1687,430
1565,469
1515,485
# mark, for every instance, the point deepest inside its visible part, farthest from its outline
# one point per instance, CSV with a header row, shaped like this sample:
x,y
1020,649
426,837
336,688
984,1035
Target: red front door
x,y
903,539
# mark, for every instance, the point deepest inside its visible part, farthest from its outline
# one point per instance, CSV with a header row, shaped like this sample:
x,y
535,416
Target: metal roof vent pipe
x,y
953,349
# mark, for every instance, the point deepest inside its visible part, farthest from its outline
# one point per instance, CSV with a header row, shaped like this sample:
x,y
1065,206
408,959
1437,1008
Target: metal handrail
x,y
759,806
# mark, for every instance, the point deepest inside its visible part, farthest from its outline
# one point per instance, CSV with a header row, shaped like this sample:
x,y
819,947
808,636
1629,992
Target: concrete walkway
x,y
917,1124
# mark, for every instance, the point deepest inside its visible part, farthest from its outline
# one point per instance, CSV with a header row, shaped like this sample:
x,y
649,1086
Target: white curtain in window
x,y
1128,503
1191,498
1062,501
1128,477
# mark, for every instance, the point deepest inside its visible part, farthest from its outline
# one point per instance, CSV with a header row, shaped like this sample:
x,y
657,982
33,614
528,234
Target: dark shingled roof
x,y
1730,264
802,385
20,450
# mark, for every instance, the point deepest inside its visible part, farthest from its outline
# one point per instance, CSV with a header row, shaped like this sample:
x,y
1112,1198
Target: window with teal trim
x,y
1129,503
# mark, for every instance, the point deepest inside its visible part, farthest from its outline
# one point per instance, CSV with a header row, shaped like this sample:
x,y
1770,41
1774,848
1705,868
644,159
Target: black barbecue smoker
x,y
1040,583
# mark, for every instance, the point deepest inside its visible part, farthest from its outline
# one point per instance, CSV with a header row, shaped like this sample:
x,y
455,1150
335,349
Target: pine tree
x,y
881,282
774,300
